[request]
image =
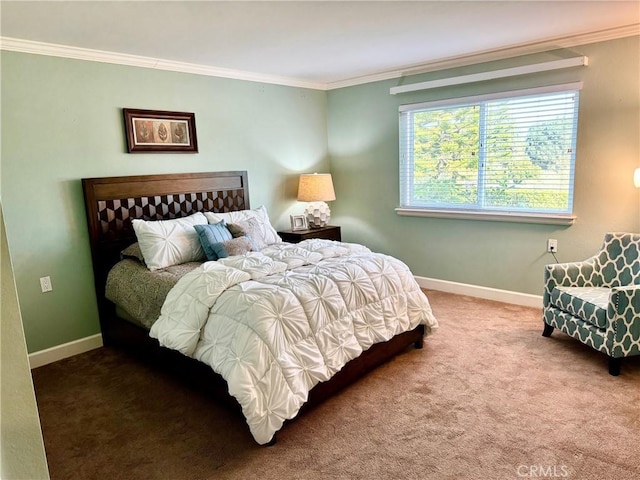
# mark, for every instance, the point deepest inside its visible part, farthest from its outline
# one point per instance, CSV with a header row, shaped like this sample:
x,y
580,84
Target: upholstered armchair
x,y
597,301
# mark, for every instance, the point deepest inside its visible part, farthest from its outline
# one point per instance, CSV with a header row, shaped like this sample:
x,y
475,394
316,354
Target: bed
x,y
232,298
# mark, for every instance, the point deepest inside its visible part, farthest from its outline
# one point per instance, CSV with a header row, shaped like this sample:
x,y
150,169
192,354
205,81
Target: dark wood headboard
x,y
112,202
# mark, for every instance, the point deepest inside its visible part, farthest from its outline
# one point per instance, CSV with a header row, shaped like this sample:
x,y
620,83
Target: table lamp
x,y
316,188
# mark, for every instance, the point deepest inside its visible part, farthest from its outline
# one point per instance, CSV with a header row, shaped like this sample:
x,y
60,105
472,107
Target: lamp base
x,y
318,214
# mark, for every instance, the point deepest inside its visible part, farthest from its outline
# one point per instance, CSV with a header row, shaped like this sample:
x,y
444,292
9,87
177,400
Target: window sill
x,y
489,216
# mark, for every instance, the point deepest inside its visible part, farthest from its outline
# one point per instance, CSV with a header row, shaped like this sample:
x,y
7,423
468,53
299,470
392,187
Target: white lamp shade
x,y
316,187
636,178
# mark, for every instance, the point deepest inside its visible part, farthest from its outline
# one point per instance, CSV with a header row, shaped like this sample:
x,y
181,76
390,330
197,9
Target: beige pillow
x,y
250,228
233,247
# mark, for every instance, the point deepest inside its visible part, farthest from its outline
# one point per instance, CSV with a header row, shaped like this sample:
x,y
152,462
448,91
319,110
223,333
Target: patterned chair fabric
x,y
597,301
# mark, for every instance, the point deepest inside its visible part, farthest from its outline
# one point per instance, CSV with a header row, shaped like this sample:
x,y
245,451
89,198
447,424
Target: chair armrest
x,y
625,301
624,314
573,274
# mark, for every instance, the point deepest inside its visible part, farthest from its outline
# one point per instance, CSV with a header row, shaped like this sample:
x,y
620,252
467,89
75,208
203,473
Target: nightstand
x,y
330,232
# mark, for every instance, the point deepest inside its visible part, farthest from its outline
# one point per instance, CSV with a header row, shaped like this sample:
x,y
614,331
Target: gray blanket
x,y
141,292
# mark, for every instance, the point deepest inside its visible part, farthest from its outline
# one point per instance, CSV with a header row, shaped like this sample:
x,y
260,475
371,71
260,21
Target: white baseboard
x,y
506,296
53,354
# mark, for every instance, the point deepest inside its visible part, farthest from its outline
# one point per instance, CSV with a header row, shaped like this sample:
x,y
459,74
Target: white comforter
x,y
275,323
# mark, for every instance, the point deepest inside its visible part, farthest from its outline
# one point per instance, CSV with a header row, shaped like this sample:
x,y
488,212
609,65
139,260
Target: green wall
x,y
62,121
363,146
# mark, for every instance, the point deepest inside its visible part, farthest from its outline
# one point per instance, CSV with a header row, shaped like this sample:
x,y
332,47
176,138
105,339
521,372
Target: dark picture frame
x,y
158,131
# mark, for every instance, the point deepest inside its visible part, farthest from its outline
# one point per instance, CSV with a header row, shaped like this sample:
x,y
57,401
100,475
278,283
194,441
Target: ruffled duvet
x,y
274,323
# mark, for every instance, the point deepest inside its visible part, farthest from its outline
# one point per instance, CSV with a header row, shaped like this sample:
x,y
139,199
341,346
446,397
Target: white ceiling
x,y
315,43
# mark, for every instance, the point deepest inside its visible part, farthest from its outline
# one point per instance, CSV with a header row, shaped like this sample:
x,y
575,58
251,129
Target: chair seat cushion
x,y
588,303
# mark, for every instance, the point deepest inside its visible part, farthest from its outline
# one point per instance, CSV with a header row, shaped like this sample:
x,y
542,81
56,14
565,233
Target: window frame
x,y
479,212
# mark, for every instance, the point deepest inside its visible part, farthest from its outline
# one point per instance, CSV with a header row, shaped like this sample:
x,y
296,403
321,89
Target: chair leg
x,y
614,366
548,330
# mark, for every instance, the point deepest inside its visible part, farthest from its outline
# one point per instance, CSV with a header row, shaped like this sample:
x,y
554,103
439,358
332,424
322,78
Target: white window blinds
x,y
506,152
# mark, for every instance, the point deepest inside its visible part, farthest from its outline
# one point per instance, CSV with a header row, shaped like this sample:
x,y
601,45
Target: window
x,y
505,154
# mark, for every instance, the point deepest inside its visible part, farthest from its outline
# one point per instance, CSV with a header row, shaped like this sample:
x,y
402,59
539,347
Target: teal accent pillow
x,y
211,235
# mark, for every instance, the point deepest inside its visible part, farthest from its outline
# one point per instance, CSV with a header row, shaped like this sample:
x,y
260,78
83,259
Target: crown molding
x,y
493,55
77,53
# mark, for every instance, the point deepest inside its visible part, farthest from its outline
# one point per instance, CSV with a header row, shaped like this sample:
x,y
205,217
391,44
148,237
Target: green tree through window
x,y
506,154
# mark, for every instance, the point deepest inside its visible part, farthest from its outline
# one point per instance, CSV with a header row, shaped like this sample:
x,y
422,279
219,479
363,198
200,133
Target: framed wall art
x,y
298,222
156,131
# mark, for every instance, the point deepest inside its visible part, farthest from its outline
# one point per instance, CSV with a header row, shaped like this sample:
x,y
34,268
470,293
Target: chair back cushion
x,y
619,260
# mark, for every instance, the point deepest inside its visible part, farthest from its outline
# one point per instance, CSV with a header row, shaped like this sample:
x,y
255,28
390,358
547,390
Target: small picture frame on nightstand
x,y
298,222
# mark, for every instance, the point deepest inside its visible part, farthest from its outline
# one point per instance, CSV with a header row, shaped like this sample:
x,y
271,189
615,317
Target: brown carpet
x,y
487,398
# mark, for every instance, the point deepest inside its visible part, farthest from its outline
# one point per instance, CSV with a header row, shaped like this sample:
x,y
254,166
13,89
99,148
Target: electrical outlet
x,y
552,245
45,284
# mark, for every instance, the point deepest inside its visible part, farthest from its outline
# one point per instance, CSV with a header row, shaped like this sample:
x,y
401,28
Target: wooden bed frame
x,y
112,202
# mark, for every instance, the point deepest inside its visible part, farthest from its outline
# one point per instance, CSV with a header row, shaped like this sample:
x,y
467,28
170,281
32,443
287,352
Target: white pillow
x,y
169,242
269,233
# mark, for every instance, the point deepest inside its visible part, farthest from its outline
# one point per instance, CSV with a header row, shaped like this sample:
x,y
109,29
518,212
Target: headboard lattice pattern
x,y
115,215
